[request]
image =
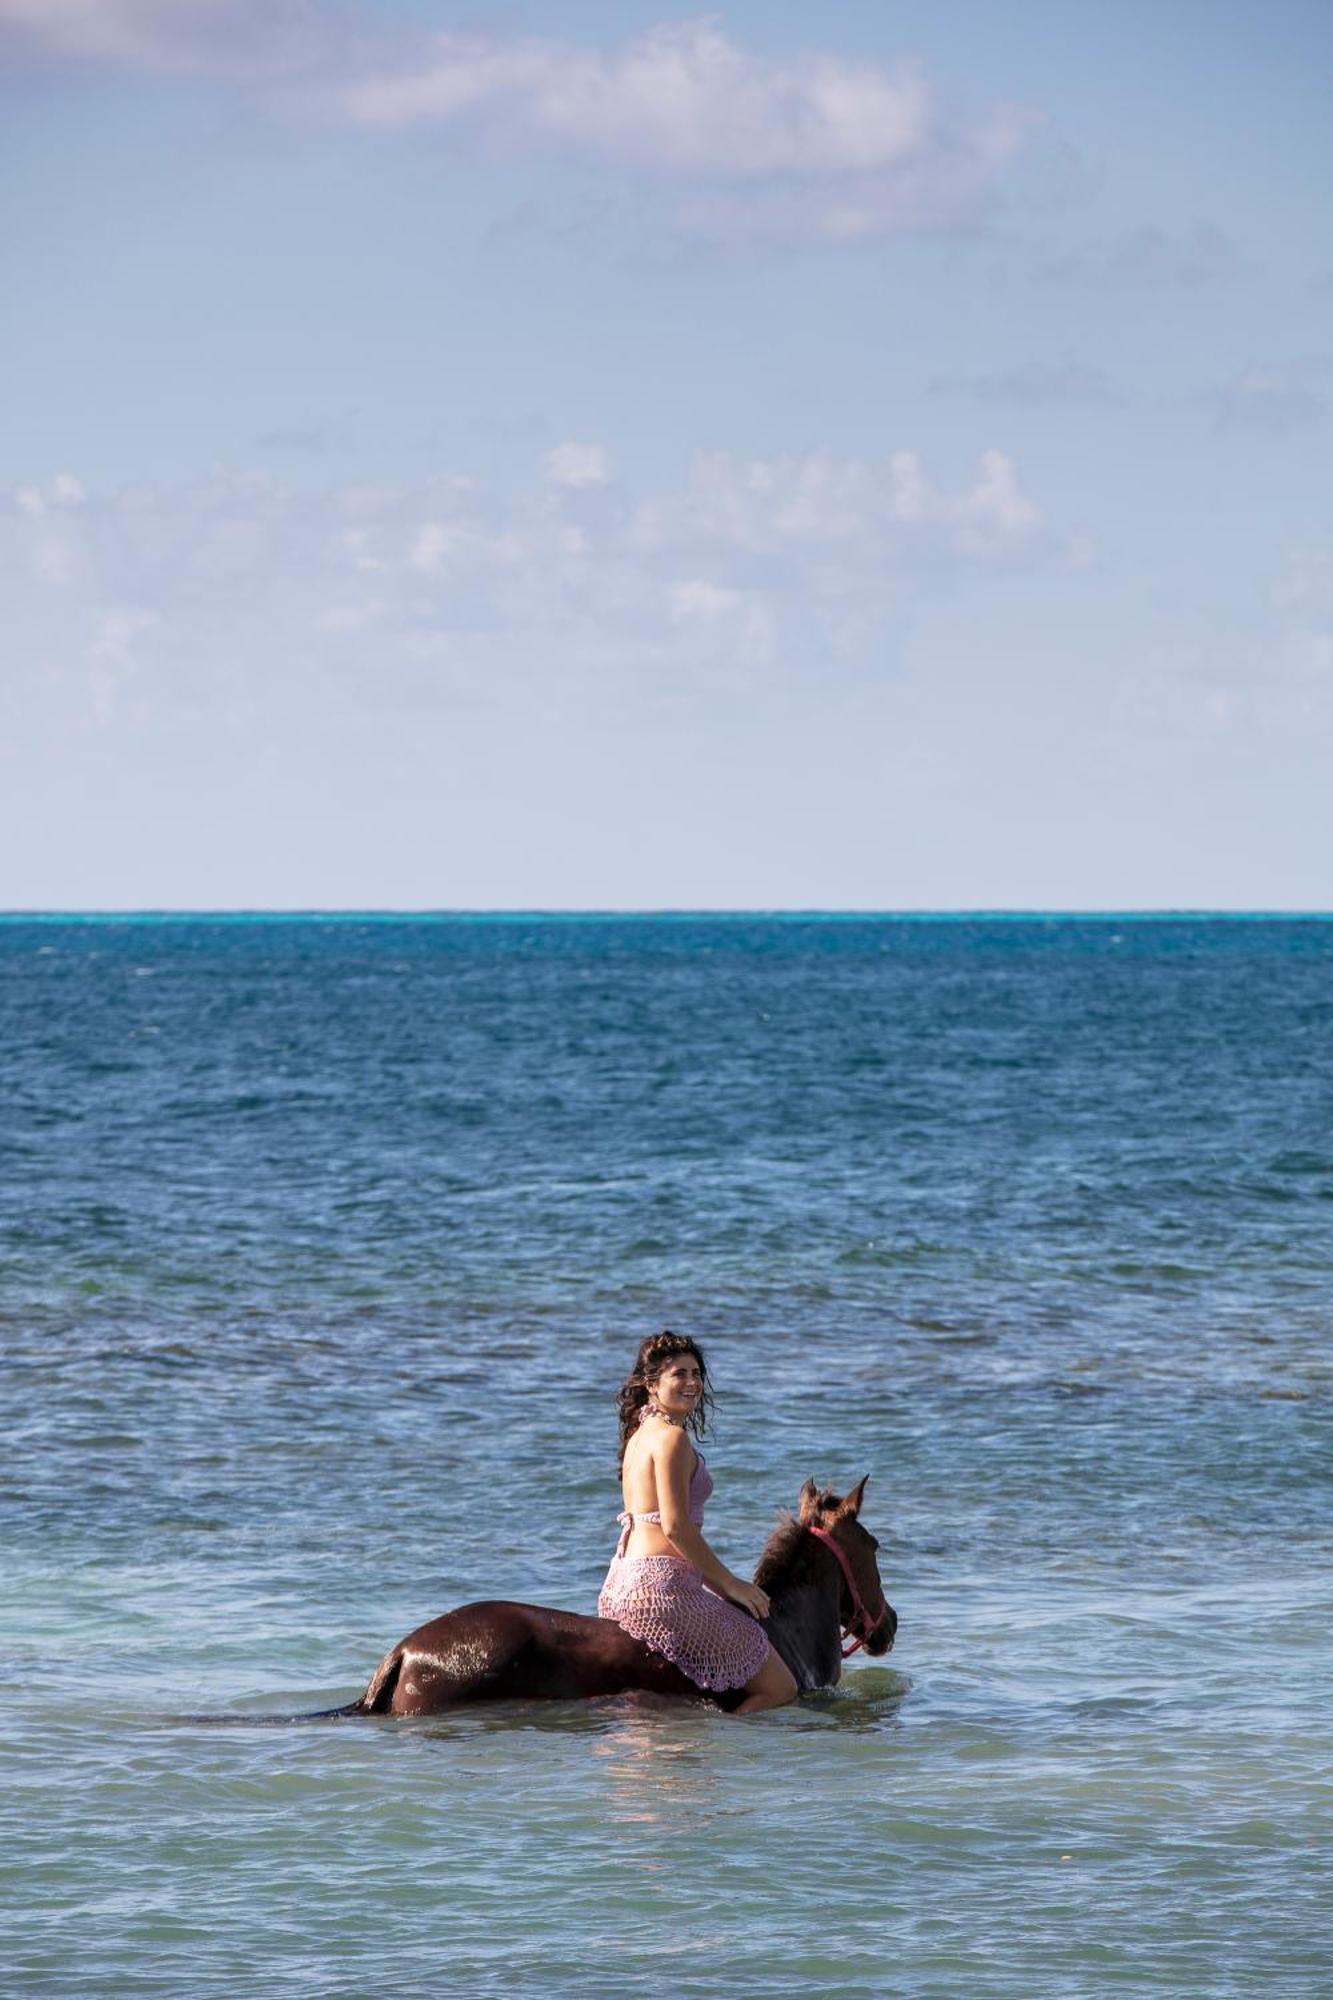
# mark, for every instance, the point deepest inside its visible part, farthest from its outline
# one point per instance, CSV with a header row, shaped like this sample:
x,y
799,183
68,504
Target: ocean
x,y
324,1245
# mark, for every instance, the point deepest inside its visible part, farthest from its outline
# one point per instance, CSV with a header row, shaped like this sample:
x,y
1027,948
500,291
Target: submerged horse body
x,y
818,1569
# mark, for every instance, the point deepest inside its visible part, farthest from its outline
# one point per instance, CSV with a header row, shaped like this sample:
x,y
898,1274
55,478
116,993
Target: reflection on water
x,y
659,1772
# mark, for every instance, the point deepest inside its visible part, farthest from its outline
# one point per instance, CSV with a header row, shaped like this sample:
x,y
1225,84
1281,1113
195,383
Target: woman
x,y
665,1585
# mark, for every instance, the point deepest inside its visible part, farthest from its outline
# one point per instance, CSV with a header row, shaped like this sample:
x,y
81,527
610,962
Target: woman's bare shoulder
x,y
662,1437
658,1444
670,1447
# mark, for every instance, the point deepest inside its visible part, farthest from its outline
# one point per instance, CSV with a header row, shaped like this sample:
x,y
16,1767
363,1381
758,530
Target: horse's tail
x,y
239,1721
378,1697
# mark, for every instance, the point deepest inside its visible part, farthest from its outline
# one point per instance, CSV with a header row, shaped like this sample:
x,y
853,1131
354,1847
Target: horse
x,y
818,1568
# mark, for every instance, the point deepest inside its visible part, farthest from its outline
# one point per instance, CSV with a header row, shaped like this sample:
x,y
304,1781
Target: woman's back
x,y
641,1520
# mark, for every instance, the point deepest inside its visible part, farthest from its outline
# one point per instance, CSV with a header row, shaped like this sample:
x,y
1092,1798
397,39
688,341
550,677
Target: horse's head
x,y
865,1611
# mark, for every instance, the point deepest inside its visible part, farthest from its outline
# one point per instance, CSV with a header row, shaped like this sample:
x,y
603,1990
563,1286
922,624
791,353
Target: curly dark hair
x,y
652,1357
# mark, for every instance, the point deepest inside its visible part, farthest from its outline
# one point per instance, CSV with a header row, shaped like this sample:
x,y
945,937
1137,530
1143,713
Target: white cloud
x,y
117,630
740,621
55,547
745,563
804,147
954,181
461,544
430,545
992,517
762,506
698,598
61,493
681,98
577,465
816,503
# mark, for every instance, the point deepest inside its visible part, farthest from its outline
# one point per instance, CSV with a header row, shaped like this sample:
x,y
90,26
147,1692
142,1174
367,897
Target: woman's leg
x,y
772,1687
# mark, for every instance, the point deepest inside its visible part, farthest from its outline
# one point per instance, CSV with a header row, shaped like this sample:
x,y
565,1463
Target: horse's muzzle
x,y
882,1638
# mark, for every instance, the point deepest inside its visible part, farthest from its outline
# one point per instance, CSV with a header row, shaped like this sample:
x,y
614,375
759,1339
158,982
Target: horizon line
x,y
590,913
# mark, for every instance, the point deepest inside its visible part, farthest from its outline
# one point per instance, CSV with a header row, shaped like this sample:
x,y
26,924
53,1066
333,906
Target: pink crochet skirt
x,y
664,1601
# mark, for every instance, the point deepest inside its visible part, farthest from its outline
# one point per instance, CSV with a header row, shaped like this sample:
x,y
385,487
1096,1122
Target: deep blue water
x,y
323,1245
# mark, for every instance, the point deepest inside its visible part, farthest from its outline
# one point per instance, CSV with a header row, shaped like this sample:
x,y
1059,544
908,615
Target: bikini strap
x,y
627,1521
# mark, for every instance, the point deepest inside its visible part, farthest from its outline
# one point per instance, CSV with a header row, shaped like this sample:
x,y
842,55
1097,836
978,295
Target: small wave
x,y
1302,1165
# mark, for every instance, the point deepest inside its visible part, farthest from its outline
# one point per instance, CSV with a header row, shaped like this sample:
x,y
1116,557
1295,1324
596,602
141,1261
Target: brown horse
x,y
819,1571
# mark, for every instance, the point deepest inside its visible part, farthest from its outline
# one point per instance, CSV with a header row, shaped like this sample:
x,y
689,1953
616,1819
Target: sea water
x,y
324,1244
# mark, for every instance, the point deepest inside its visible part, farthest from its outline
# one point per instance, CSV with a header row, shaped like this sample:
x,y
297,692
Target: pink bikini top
x,y
701,1485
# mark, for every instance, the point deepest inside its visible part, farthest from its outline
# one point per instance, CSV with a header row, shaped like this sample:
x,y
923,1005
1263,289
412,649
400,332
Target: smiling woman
x,y
665,1585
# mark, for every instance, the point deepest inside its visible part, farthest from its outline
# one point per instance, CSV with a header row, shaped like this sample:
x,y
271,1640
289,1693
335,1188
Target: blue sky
x,y
587,456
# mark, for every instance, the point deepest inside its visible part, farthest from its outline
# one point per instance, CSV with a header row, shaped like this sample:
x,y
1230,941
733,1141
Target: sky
x,y
585,456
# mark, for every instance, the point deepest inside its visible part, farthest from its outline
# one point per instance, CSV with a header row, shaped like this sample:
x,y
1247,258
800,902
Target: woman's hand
x,y
748,1595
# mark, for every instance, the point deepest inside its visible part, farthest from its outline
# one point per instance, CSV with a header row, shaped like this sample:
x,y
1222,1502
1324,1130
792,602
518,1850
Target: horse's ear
x,y
809,1501
852,1504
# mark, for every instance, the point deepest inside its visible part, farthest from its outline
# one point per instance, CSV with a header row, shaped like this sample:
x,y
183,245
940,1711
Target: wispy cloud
x,y
113,656
1150,258
816,502
54,544
741,620
1280,400
577,465
1035,385
745,563
1304,585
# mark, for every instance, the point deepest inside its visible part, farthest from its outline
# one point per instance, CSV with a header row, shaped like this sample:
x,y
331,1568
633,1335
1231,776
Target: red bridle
x,y
861,1622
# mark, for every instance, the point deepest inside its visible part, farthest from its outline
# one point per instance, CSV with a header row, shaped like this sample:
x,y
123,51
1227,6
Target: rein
x,y
861,1623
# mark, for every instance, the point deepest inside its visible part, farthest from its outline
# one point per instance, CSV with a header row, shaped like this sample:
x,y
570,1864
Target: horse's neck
x,y
802,1624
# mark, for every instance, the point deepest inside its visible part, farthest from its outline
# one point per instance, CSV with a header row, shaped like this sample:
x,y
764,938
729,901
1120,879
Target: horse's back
x,y
497,1650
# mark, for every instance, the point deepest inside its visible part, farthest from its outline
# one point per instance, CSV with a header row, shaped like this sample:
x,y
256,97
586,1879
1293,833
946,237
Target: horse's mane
x,y
787,1550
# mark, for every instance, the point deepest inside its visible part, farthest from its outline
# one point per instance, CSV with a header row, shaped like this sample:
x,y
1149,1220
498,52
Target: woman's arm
x,y
673,1462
